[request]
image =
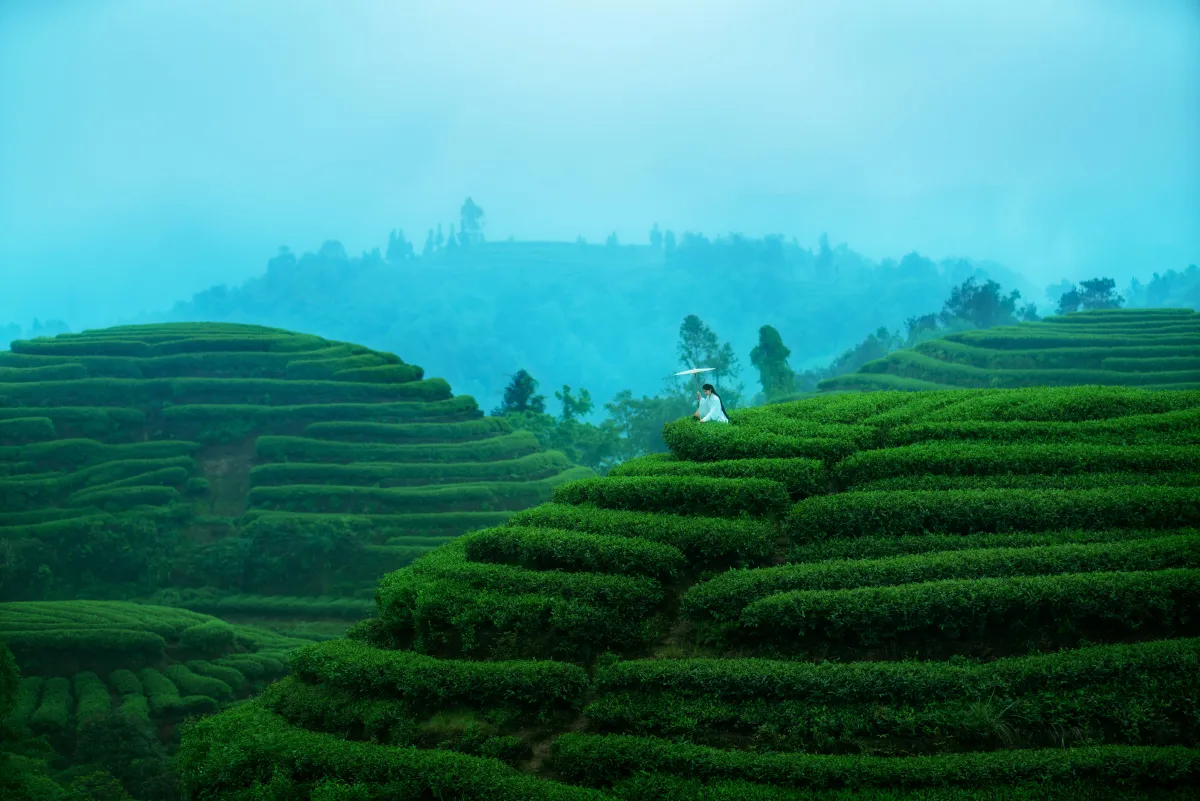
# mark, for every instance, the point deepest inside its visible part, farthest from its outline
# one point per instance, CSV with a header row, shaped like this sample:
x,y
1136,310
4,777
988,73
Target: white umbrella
x,y
696,371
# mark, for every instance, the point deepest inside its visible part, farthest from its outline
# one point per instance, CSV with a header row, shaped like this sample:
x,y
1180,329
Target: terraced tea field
x,y
84,660
253,473
957,594
1151,348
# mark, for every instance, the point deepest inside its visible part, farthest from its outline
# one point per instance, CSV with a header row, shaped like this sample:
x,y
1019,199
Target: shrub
x,y
802,477
724,596
509,446
195,684
358,431
230,676
121,498
702,442
125,682
54,712
1007,613
209,637
383,374
964,512
700,495
706,541
1060,481
601,760
427,684
273,392
20,430
573,551
91,698
266,743
964,458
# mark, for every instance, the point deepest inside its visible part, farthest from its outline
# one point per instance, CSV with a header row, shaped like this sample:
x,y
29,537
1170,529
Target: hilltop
x,y
966,594
1152,348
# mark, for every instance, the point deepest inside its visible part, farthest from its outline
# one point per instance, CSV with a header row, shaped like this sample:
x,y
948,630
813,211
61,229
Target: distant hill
x,y
604,317
960,595
1152,348
254,473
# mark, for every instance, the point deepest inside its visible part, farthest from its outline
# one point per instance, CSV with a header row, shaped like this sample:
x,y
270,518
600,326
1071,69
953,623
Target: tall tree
x,y
982,305
700,347
399,249
521,396
1099,293
656,237
669,243
770,357
574,407
1069,301
470,222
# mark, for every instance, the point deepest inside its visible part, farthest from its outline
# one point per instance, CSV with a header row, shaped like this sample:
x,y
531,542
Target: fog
x,y
149,150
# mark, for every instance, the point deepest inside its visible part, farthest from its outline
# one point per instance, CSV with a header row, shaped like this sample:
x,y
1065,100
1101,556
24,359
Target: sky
x,y
151,149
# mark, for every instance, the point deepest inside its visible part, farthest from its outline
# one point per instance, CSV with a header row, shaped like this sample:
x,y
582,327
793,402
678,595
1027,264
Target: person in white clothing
x,y
712,408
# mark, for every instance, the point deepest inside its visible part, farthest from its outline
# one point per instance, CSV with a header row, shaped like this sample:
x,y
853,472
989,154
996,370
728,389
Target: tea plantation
x,y
966,594
1151,348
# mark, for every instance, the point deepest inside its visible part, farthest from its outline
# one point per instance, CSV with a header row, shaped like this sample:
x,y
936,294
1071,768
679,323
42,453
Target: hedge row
x,y
125,682
272,605
1061,481
65,371
29,692
243,364
723,597
296,759
1168,428
445,606
165,700
991,613
91,698
689,495
53,713
768,418
41,651
601,760
1154,365
358,431
1005,338
166,343
1060,404
232,677
77,452
708,442
82,421
878,382
1048,359
969,458
483,497
122,498
22,430
573,551
966,512
381,527
462,407
323,366
299,449
383,374
189,683
802,477
398,474
706,541
915,365
429,685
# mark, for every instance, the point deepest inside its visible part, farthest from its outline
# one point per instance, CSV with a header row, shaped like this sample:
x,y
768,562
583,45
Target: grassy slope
x,y
954,642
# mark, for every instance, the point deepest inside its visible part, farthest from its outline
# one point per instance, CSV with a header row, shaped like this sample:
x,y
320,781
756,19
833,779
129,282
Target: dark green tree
x,y
770,357
700,347
1099,293
521,396
574,407
982,305
612,240
656,237
669,243
1069,302
399,249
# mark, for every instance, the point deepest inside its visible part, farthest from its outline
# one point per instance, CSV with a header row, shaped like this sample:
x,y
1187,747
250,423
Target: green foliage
x,y
212,637
125,682
706,542
723,597
966,511
521,396
699,495
358,431
705,442
601,760
21,430
573,551
54,711
91,698
383,374
996,614
769,357
197,684
507,446
534,466
802,477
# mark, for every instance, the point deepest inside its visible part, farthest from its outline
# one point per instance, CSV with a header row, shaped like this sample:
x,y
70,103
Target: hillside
x,y
1152,348
254,473
970,594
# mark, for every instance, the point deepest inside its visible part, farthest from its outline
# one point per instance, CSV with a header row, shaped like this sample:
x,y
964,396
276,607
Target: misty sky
x,y
151,148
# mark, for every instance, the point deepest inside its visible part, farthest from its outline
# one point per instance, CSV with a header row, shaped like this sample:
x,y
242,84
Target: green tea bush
x,y
508,446
136,707
531,467
601,760
706,541
311,368
1048,359
429,685
91,698
53,713
802,477
1060,481
1161,364
93,648
383,374
706,442
970,512
878,382
195,684
29,692
121,498
699,495
125,682
968,458
358,431
231,677
1172,427
273,392
723,597
1006,613
268,744
56,372
209,637
573,551
21,430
